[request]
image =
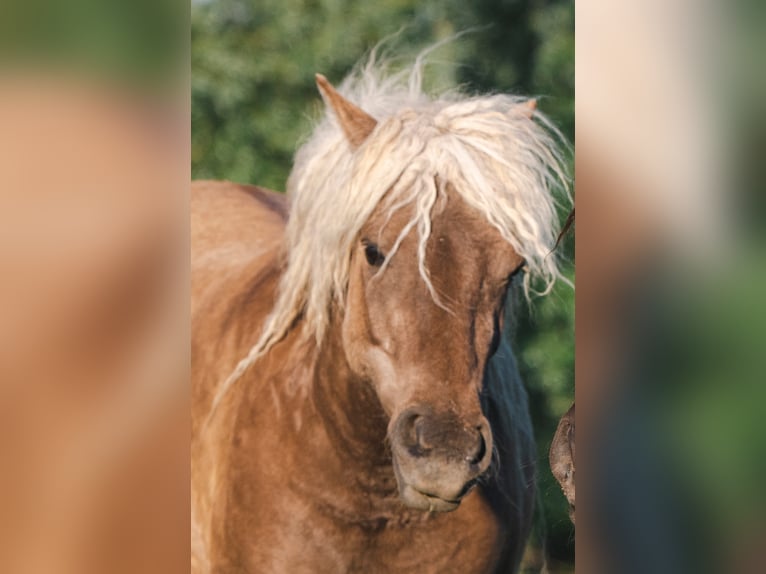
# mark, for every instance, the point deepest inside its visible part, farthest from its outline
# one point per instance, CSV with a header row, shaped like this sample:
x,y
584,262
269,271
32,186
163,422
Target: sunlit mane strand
x,y
497,152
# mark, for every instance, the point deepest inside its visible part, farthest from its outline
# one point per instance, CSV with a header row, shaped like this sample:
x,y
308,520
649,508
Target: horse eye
x,y
374,255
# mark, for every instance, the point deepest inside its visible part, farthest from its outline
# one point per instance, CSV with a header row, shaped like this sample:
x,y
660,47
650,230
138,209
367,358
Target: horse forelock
x,y
499,154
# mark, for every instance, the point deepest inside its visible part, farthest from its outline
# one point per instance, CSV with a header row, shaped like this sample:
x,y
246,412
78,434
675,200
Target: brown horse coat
x,y
561,457
298,478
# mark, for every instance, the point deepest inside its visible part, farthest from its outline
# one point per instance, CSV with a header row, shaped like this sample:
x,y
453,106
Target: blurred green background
x,y
254,101
140,46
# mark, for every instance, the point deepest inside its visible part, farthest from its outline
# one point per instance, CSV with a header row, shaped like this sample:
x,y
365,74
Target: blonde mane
x,y
497,152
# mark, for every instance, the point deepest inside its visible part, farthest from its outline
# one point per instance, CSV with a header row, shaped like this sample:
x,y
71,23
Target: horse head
x,y
421,319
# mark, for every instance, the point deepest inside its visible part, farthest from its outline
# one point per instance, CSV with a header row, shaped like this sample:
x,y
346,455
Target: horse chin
x,y
421,493
419,500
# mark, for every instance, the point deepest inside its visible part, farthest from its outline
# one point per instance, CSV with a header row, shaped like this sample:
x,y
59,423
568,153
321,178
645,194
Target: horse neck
x,y
348,407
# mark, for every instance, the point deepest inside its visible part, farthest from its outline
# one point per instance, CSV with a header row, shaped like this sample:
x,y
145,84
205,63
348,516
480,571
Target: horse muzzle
x,y
438,458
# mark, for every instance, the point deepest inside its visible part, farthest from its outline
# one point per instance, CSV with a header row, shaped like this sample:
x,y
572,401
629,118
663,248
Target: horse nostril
x,y
412,432
480,449
420,434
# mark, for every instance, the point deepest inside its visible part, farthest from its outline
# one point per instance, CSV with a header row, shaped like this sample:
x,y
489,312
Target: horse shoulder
x,y
236,247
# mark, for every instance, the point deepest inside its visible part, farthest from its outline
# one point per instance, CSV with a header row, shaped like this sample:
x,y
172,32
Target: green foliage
x,y
140,43
253,100
253,65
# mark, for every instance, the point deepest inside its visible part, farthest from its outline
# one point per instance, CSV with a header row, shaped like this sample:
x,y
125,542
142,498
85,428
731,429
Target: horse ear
x,y
529,107
356,123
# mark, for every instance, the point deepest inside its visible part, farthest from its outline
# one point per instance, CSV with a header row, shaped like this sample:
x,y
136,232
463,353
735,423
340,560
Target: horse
x,y
356,406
